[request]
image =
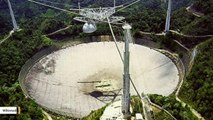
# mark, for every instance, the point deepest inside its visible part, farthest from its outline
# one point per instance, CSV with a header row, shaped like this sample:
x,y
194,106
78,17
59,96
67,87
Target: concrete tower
x,y
168,17
15,26
126,75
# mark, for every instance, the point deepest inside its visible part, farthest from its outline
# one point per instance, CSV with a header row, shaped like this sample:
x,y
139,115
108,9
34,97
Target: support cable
x,y
128,5
57,8
122,59
130,77
56,3
113,35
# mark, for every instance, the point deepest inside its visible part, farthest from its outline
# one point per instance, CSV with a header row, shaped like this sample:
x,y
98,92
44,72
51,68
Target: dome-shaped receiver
x,y
89,27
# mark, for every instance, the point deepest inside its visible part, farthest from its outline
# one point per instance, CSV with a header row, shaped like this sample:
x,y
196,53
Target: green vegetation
x,y
35,21
56,116
136,105
205,7
148,20
173,106
4,25
181,18
197,89
13,54
200,26
95,115
187,23
169,103
161,115
12,96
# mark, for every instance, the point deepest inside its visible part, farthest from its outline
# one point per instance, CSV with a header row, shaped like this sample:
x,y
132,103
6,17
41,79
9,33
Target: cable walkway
x,y
10,34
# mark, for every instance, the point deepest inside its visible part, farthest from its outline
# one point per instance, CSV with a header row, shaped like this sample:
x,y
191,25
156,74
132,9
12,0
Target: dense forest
x,y
36,21
199,81
173,106
202,7
13,54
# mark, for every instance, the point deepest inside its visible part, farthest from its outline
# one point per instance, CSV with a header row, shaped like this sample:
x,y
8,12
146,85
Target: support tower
x,y
15,26
126,75
168,17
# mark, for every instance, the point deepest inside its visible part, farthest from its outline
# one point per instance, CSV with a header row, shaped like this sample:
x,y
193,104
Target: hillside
x,y
205,7
13,54
199,81
197,88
